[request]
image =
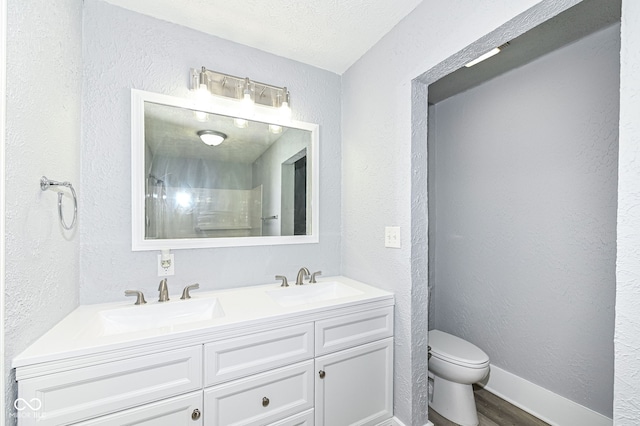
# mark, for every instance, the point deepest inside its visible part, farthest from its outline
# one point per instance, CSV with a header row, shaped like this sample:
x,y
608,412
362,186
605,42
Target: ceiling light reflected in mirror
x,y
211,137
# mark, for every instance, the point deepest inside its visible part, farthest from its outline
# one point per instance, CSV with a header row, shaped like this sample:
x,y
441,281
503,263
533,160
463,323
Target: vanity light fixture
x,y
247,91
211,137
487,55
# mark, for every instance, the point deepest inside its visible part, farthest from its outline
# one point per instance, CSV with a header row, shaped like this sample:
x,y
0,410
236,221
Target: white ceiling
x,y
329,34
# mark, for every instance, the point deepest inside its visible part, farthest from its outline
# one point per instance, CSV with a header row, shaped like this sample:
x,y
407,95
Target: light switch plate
x,y
392,236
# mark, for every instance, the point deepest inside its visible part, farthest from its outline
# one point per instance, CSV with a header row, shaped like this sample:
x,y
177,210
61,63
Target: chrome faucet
x,y
185,292
139,296
164,291
302,273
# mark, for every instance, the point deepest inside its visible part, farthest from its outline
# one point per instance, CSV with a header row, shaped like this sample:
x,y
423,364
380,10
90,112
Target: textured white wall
x,y
384,161
125,50
626,405
525,246
43,138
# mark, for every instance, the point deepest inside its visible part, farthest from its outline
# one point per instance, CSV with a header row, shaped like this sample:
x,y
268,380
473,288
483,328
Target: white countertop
x,y
78,334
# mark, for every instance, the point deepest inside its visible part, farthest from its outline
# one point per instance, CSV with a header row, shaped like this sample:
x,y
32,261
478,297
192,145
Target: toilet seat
x,y
456,350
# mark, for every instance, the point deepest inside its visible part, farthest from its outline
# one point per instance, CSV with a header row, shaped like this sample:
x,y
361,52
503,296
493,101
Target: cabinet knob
x,y
321,374
195,415
265,401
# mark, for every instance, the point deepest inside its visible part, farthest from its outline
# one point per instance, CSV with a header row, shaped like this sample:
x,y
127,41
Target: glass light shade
x,y
285,111
211,137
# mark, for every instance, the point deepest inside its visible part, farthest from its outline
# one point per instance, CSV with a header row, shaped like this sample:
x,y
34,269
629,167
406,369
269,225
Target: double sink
x,y
201,308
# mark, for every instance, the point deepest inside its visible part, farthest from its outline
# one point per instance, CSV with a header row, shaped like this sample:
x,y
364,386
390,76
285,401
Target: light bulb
x,y
240,123
203,93
247,103
203,84
201,116
285,111
275,129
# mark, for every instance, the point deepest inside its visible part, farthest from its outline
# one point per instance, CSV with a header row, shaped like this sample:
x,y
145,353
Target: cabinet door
x,y
184,410
355,386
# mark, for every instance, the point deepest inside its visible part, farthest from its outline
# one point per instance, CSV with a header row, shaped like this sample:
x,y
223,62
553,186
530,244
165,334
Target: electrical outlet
x,y
392,236
165,267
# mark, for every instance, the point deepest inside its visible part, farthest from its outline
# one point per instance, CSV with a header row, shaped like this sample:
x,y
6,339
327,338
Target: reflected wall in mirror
x,y
206,175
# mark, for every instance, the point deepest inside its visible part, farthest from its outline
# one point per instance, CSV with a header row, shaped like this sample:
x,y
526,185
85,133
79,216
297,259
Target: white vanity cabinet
x,y
354,369
330,366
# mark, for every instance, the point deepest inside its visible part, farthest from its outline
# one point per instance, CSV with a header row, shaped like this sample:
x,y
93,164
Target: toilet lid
x,y
455,349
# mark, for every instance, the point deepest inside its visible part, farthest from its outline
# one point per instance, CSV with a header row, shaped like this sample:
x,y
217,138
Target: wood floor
x,y
492,411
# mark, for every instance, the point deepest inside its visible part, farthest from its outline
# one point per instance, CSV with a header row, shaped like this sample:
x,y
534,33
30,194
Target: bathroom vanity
x,y
316,354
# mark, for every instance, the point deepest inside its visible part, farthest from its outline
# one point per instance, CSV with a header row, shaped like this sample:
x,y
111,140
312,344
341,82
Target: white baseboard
x,y
396,422
540,402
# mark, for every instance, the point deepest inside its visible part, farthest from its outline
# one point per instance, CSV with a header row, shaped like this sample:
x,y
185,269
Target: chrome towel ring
x,y
46,184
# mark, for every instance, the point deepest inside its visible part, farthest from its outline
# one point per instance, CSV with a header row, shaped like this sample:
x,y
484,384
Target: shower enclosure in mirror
x,y
205,174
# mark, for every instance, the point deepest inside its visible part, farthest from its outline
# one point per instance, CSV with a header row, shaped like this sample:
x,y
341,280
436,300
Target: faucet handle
x,y
140,297
313,277
284,280
185,292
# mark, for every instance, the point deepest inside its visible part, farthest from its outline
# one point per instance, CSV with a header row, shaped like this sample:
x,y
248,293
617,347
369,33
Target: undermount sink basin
x,y
158,315
295,295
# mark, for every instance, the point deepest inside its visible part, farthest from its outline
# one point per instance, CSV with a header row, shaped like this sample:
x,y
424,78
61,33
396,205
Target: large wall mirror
x,y
204,174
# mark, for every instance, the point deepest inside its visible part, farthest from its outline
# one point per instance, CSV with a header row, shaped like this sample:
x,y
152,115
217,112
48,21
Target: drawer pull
x,y
195,415
321,373
265,401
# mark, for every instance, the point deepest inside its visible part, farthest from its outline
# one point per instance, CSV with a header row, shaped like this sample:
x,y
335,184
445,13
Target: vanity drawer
x,y
303,419
83,393
241,356
347,331
261,399
176,411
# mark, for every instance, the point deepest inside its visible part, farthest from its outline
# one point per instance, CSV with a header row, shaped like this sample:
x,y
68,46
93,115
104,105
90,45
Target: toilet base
x,y
454,401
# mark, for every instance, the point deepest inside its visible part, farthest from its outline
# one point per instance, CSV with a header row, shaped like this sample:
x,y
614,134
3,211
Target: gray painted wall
x,y
125,50
43,138
525,242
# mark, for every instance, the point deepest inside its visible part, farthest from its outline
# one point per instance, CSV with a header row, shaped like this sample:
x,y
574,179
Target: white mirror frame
x,y
214,105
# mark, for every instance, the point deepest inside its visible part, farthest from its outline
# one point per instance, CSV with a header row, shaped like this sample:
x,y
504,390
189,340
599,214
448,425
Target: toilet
x,y
455,365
